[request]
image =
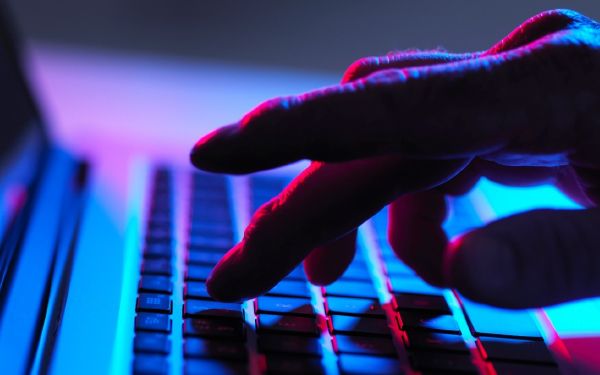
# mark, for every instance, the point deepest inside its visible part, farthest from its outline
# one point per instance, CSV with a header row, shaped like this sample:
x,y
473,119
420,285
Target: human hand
x,y
408,128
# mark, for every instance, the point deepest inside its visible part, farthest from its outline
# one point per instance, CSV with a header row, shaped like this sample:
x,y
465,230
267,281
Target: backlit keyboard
x,y
378,318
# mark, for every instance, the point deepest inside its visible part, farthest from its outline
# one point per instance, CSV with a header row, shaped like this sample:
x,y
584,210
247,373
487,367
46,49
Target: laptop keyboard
x,y
378,318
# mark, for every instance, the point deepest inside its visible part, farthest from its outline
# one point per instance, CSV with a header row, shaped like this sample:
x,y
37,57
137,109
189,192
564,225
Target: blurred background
x,y
315,35
169,71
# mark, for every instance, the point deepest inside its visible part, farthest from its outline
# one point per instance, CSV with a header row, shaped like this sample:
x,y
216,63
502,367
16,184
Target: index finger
x,y
459,109
325,202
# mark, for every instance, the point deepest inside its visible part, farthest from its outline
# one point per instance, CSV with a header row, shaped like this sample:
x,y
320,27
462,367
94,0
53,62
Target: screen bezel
x,y
9,40
22,165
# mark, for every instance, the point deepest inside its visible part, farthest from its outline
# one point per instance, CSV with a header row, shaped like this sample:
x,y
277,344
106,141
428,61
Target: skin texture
x,y
409,128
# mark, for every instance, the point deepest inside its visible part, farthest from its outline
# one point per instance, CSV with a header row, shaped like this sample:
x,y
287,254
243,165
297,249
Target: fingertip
x,y
415,233
214,152
218,293
321,274
227,281
327,263
319,279
220,288
482,268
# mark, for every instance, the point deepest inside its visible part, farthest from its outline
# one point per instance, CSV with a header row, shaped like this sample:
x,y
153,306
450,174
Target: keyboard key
x,y
353,306
437,361
294,365
156,267
506,368
154,303
160,218
483,321
210,229
209,200
205,348
414,285
213,366
351,289
271,343
284,306
202,180
296,274
395,268
203,258
161,232
409,301
194,289
418,340
147,364
207,308
351,364
216,328
159,238
152,322
380,346
158,250
495,348
210,205
424,320
354,272
159,224
210,244
151,343
353,325
288,288
157,284
198,273
287,324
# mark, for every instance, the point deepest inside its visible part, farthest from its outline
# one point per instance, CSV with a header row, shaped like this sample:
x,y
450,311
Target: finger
x,y
369,65
463,182
466,108
328,262
326,201
537,27
534,259
517,176
415,232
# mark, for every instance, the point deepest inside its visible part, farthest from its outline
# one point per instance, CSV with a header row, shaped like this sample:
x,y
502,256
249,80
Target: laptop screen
x,y
18,115
22,138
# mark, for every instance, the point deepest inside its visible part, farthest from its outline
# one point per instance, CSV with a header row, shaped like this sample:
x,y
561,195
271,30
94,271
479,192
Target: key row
x,y
154,306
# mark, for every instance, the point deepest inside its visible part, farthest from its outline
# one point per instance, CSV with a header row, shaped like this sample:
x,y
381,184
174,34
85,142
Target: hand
x,y
408,128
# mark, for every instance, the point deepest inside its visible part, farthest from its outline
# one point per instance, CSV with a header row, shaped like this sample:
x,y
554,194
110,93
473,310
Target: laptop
x,y
106,276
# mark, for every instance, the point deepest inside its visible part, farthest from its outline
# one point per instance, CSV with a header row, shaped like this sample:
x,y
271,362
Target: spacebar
x,y
490,321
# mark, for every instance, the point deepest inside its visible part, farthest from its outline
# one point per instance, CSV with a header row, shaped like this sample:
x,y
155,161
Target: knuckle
x,y
361,68
554,15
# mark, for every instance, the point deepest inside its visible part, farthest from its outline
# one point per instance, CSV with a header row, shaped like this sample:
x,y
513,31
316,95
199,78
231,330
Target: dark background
x,y
314,35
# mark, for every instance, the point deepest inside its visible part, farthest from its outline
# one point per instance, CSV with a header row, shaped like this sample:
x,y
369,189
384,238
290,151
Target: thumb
x,y
534,259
